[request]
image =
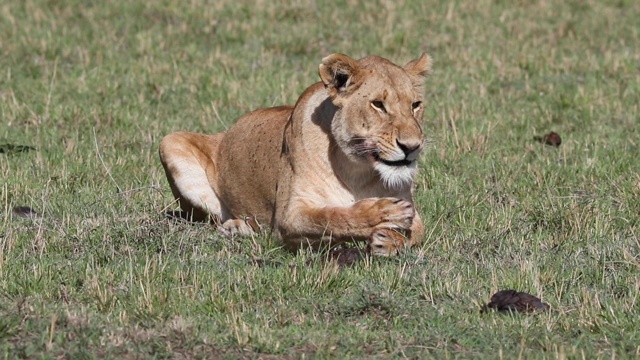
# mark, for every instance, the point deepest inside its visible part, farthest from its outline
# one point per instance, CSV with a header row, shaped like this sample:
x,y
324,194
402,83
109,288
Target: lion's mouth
x,y
404,162
370,151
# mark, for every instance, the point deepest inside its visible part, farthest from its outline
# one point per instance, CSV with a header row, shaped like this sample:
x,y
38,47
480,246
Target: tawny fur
x,y
338,166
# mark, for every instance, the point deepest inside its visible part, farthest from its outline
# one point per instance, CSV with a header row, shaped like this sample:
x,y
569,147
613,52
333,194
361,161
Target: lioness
x,y
338,166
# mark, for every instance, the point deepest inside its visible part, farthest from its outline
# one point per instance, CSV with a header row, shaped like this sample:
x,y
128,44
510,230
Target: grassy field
x,y
94,85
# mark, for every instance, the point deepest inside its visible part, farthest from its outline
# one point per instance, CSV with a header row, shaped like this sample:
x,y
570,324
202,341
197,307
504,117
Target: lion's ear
x,y
339,73
420,66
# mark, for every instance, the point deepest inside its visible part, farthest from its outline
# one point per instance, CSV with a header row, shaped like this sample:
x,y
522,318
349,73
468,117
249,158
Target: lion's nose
x,y
409,148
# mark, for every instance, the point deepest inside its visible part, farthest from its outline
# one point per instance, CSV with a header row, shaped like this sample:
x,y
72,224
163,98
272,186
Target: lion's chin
x,y
396,176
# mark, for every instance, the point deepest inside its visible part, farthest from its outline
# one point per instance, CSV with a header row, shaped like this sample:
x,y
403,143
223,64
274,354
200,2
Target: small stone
x,y
346,257
25,212
552,139
512,300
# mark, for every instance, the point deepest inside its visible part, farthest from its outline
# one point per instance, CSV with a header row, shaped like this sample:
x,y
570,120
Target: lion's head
x,y
379,115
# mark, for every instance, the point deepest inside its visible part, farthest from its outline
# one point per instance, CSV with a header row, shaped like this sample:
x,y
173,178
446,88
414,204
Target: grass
x,y
94,86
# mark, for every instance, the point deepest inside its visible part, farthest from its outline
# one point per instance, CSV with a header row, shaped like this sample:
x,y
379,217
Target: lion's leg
x,y
416,232
188,161
385,242
320,226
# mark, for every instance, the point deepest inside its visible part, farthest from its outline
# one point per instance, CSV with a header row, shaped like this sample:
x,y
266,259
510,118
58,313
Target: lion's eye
x,y
416,105
378,105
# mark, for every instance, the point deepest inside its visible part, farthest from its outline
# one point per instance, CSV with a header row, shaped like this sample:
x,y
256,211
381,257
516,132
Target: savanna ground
x,y
94,86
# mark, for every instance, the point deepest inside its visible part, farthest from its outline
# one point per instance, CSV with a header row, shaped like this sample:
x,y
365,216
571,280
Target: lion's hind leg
x,y
234,227
188,161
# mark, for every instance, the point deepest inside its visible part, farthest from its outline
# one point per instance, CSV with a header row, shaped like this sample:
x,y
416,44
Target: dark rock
x,y
346,257
14,149
551,138
25,212
514,301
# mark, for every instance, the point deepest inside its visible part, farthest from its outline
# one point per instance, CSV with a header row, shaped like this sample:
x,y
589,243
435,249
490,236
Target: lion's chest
x,y
328,190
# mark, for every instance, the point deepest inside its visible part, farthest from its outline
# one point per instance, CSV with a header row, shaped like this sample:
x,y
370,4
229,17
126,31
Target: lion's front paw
x,y
386,242
390,213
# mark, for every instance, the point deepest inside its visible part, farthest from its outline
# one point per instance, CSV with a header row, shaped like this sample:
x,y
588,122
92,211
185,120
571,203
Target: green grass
x,y
95,85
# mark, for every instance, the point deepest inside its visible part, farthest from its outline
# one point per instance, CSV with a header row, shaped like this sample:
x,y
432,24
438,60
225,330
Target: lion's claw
x,y
386,242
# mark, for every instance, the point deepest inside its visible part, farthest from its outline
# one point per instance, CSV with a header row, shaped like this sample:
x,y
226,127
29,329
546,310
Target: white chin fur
x,y
395,177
